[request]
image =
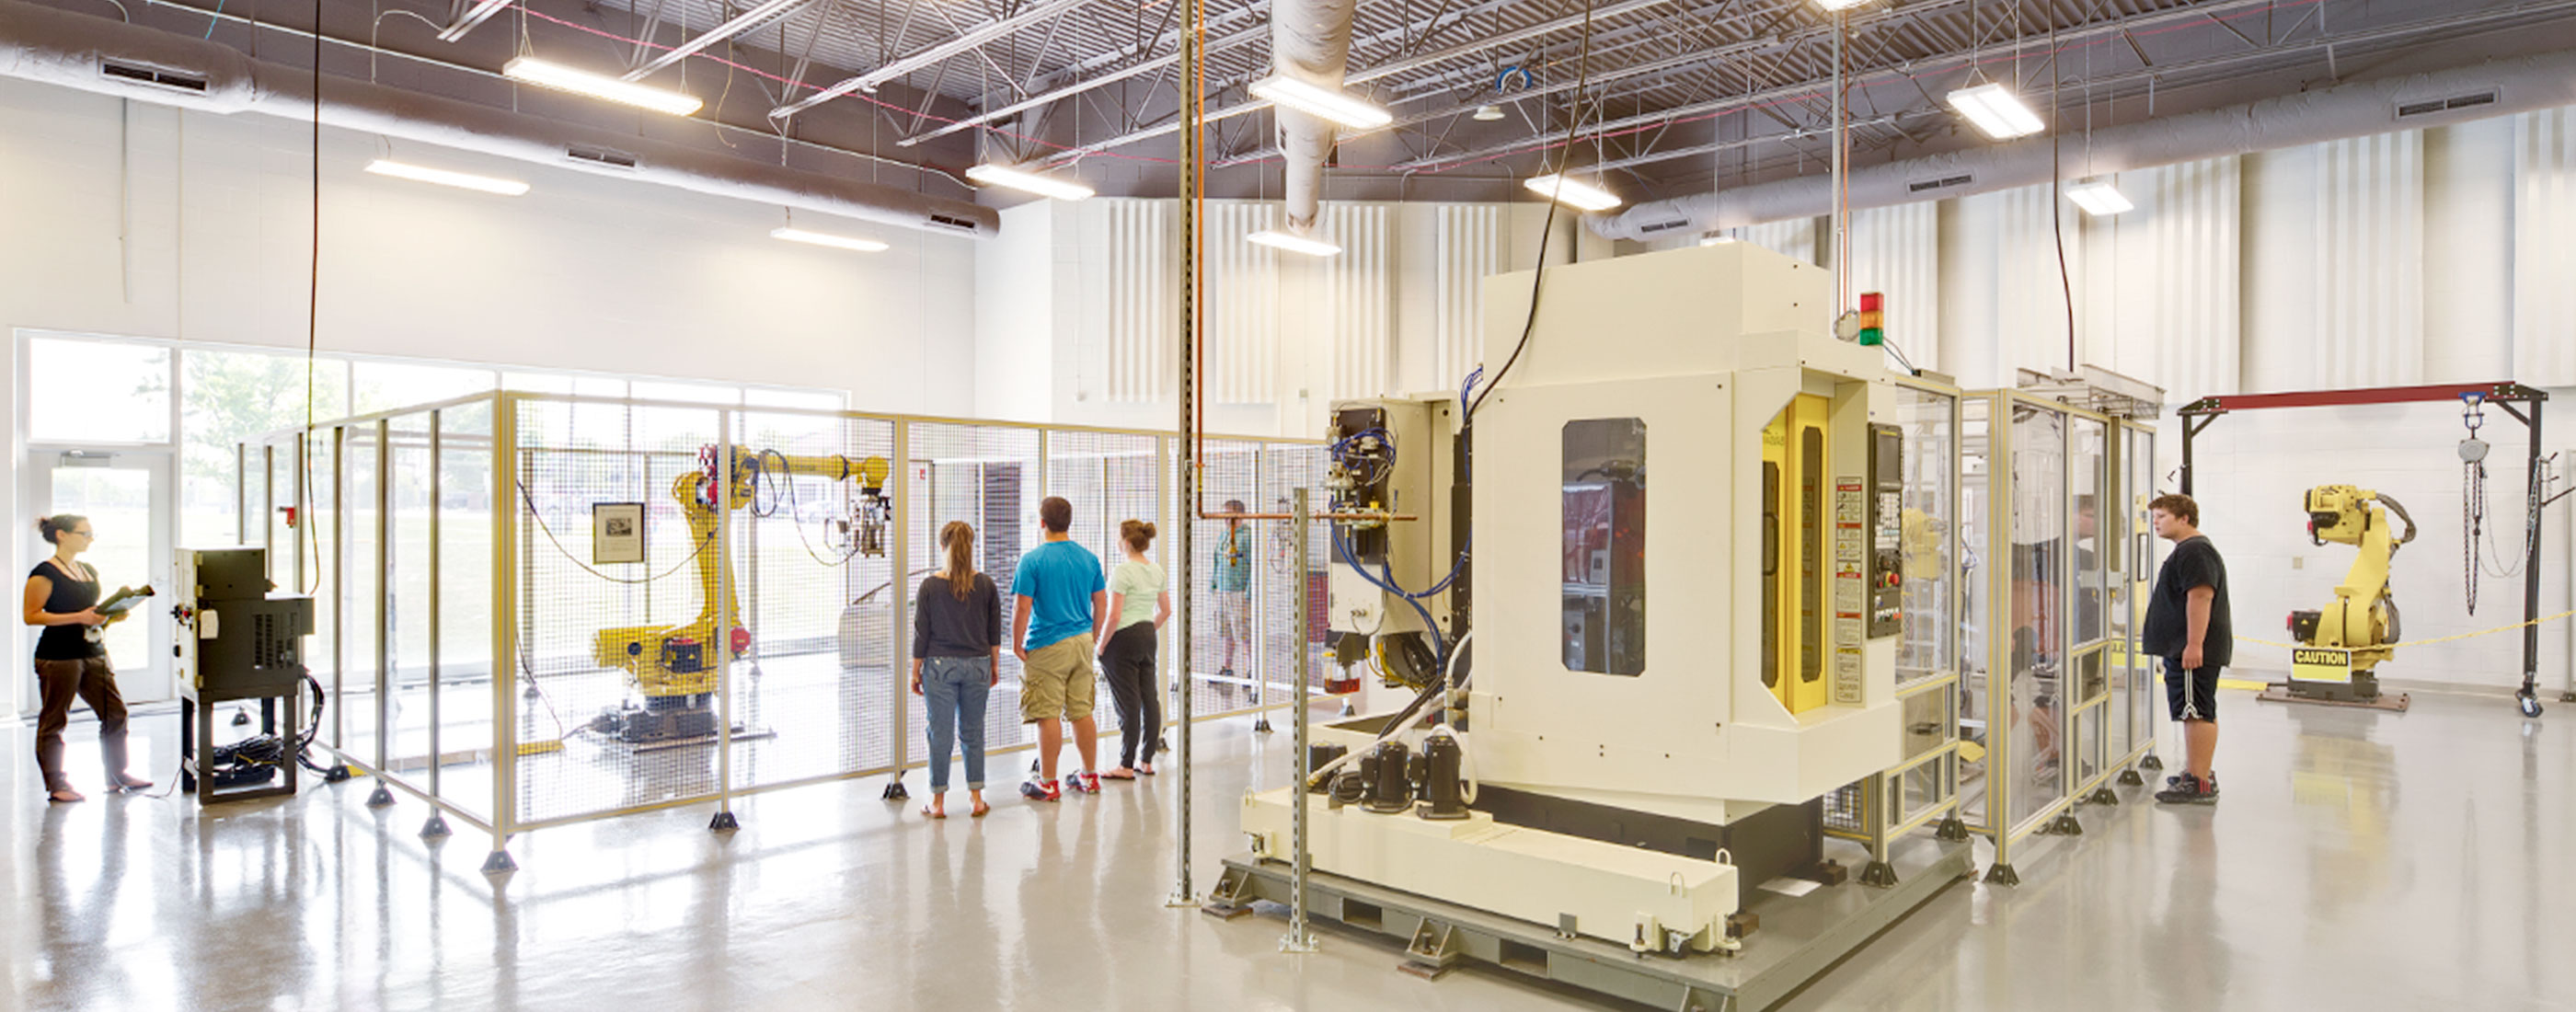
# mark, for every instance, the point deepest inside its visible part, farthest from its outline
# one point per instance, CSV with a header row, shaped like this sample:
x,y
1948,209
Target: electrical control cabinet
x,y
235,636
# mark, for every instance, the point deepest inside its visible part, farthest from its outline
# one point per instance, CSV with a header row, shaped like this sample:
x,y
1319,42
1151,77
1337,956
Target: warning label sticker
x,y
2319,664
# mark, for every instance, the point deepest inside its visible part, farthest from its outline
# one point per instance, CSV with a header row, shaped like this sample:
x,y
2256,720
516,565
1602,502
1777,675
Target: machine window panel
x,y
2091,553
2036,634
1928,644
1603,570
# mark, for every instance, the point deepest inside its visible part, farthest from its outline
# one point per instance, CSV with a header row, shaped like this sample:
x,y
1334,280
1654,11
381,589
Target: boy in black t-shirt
x,y
2189,625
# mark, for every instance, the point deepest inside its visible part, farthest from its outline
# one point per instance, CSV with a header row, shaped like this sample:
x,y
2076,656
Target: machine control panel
x,y
1886,577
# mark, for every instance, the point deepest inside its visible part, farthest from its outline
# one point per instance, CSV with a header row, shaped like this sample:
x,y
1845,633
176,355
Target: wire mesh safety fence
x,y
814,692
1227,553
536,609
1110,478
1286,587
986,477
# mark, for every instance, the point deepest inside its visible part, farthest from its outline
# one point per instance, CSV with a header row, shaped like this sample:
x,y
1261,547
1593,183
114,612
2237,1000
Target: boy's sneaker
x,y
2176,780
2190,790
1040,790
1085,782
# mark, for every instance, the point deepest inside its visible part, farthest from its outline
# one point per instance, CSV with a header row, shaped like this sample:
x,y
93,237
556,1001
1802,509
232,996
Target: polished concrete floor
x,y
2359,860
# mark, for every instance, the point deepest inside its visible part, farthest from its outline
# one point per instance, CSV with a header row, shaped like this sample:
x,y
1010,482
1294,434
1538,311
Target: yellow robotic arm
x,y
2363,617
675,666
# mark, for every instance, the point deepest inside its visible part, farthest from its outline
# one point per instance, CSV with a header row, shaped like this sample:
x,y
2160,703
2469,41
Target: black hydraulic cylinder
x,y
1437,782
1383,768
1318,756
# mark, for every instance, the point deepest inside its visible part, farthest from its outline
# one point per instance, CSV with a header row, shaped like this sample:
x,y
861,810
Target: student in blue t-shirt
x,y
1061,594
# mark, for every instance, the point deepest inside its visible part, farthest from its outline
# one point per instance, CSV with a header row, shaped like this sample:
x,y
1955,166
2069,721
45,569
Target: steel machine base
x,y
2295,692
1796,939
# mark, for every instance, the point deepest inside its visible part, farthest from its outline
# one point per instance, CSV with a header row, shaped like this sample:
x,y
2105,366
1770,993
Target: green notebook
x,y
124,600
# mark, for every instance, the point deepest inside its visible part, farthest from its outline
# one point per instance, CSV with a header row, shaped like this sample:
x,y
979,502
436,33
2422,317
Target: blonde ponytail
x,y
959,539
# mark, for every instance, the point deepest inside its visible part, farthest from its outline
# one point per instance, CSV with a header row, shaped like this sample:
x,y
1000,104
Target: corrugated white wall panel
x,y
1470,248
1359,299
2030,290
2544,248
1241,305
1794,238
1896,252
1126,254
2166,282
2370,261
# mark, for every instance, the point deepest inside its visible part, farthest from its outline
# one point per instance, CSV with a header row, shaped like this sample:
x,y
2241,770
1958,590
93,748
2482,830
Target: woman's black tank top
x,y
69,642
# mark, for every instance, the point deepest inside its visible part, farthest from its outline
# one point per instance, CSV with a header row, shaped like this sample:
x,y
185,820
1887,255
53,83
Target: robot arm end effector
x,y
2344,513
870,511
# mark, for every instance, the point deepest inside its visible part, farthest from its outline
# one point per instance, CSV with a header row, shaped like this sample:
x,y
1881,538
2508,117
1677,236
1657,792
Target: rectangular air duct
x,y
178,80
610,158
2427,107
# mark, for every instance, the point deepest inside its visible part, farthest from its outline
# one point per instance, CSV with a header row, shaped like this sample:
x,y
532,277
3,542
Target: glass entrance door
x,y
126,496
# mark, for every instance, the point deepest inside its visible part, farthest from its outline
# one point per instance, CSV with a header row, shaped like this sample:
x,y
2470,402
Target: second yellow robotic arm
x,y
2363,618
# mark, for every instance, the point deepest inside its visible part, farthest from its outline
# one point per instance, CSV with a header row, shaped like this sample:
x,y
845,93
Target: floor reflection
x,y
2358,859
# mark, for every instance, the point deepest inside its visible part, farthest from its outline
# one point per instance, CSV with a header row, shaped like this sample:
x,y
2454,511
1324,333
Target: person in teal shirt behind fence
x,y
1233,587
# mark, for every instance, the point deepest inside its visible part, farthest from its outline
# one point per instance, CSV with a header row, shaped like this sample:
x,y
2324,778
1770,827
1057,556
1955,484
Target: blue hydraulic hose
x,y
1440,647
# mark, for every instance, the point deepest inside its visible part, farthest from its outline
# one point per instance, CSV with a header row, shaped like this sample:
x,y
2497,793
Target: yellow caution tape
x,y
2423,643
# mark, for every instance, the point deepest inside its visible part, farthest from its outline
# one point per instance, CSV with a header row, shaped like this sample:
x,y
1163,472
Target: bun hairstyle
x,y
53,526
1138,534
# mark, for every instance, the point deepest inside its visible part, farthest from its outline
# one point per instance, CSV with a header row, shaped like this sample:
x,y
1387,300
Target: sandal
x,y
932,813
127,783
1121,773
980,809
64,796
1145,768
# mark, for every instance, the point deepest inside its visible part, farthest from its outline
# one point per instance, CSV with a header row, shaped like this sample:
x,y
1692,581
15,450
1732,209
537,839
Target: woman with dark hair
x,y
1138,606
71,657
956,661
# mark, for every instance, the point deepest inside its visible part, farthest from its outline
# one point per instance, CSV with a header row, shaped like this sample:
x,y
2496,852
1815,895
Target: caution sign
x,y
2317,664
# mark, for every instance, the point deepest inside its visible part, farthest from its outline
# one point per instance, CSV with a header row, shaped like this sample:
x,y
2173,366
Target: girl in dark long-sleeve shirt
x,y
956,661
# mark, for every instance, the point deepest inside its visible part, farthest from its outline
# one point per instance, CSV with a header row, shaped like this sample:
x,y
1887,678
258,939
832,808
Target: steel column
x,y
1193,15
1298,938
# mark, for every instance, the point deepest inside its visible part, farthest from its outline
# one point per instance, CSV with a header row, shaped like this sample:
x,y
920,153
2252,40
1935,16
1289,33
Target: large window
x,y
96,391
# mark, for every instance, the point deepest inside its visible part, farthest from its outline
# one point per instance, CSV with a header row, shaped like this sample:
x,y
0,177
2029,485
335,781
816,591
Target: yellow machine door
x,y
1795,538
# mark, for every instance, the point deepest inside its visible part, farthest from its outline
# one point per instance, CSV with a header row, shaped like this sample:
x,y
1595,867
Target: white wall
x,y
142,221
145,221
1077,317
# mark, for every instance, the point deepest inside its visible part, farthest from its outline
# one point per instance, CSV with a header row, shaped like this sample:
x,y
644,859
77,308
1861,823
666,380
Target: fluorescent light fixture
x,y
461,180
793,234
1329,103
1488,113
1716,240
1997,111
2099,197
563,78
1839,5
1572,192
1044,186
1295,243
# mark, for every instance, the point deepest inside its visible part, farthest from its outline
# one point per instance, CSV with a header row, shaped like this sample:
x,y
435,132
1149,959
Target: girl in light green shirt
x,y
1140,603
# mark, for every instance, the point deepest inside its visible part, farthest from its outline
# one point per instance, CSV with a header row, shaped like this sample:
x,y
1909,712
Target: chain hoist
x,y
2473,507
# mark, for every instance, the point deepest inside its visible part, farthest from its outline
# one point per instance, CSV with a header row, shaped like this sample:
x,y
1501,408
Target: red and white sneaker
x,y
1040,790
1085,782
